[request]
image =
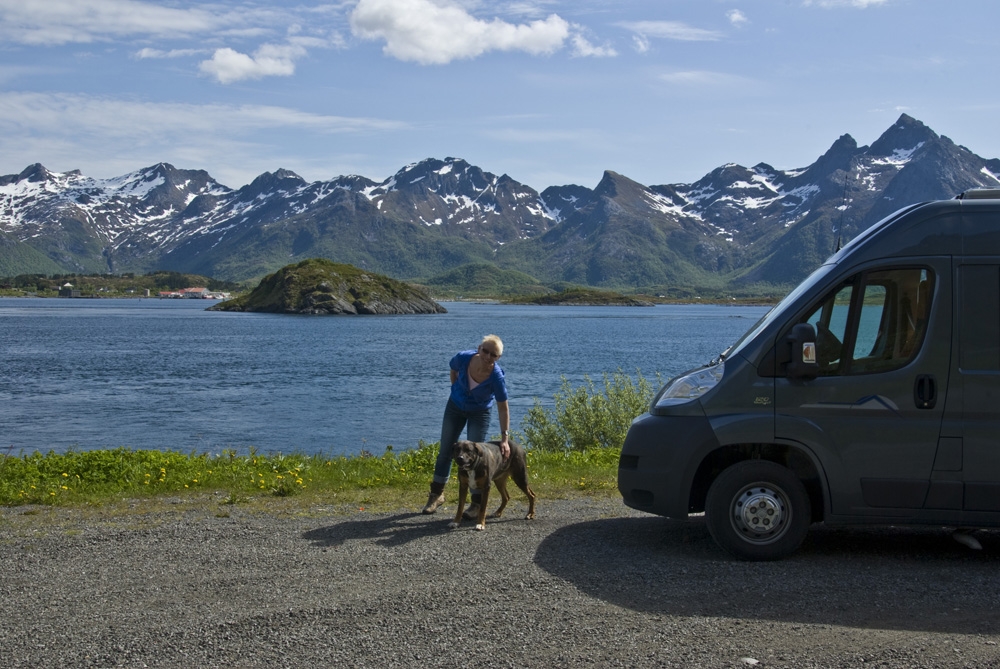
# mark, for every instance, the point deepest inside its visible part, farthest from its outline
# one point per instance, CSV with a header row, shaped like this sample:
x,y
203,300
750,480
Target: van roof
x,y
979,194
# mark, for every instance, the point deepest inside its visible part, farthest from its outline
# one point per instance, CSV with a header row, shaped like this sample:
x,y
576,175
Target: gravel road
x,y
588,583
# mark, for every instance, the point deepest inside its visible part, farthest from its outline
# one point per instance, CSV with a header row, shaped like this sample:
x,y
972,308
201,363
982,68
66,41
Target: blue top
x,y
482,396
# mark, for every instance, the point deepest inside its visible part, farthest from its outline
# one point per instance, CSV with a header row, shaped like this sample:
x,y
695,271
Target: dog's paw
x,y
530,516
453,524
480,527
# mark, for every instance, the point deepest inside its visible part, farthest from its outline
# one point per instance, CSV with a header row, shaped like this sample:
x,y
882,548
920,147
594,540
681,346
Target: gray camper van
x,y
870,394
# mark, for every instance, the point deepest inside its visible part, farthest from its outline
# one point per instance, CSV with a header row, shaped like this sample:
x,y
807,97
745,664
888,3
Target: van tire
x,y
776,522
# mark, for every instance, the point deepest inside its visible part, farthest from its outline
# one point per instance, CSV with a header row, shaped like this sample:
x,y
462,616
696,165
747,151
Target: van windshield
x,y
777,310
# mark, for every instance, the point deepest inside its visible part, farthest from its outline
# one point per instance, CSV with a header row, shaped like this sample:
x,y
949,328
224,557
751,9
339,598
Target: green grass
x,y
106,476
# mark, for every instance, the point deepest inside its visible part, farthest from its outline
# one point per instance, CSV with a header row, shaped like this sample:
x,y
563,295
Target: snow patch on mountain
x,y
990,174
899,157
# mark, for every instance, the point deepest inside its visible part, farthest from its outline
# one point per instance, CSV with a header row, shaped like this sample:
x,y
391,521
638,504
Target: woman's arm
x,y
504,411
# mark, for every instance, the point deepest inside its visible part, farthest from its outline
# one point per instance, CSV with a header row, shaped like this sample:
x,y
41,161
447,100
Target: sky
x,y
549,92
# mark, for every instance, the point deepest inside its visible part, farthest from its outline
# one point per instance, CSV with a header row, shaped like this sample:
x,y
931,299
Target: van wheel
x,y
757,510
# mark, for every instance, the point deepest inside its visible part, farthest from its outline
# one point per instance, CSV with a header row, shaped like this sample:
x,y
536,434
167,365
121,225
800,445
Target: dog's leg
x,y
484,490
463,491
531,503
501,484
521,479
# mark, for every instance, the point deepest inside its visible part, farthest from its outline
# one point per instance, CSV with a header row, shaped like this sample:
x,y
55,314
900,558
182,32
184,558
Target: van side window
x,y
873,322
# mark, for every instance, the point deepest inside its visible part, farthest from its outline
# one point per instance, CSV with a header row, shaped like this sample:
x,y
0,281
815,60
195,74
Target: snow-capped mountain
x,y
736,225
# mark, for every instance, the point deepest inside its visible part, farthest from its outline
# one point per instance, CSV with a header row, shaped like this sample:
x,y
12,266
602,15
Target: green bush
x,y
585,417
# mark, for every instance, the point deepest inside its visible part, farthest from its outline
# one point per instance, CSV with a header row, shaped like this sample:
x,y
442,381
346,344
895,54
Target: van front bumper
x,y
659,460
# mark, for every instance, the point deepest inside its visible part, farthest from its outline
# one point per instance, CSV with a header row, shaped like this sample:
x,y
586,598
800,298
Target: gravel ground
x,y
588,583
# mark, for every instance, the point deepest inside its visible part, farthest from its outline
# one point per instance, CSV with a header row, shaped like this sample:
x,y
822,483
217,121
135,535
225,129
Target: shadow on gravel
x,y
394,530
881,578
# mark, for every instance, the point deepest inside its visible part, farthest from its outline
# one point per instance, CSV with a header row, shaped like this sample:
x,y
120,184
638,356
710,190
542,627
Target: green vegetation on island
x,y
109,285
583,297
320,286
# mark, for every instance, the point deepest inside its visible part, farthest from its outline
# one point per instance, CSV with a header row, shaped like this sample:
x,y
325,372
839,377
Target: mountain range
x,y
449,223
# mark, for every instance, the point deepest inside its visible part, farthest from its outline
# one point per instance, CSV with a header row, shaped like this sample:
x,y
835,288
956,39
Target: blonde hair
x,y
495,340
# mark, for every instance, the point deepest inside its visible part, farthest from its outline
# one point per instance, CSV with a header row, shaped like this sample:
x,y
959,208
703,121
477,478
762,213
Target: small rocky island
x,y
583,297
320,286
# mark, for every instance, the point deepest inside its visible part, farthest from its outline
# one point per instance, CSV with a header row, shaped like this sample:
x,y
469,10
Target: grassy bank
x,y
380,482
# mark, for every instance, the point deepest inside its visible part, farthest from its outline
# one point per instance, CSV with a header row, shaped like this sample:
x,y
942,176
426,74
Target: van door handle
x,y
925,392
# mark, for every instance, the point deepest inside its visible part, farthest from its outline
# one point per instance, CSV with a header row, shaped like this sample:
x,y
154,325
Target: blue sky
x,y
550,92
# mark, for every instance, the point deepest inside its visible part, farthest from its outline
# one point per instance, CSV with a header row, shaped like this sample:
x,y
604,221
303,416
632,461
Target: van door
x,y
975,457
873,415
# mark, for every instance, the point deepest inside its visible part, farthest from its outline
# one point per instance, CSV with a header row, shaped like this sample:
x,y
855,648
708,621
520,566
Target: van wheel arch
x,y
717,461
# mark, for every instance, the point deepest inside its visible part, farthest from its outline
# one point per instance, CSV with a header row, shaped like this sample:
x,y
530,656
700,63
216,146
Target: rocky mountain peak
x,y
838,157
904,137
35,173
563,201
272,183
614,185
451,175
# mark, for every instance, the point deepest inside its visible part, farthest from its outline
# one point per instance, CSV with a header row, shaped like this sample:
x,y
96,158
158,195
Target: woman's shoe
x,y
434,500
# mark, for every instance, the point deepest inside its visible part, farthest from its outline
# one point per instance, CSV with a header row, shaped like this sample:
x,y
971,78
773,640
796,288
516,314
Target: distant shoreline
x,y
502,302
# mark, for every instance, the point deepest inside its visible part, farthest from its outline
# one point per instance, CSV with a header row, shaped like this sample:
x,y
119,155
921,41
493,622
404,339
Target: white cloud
x,y
109,119
860,4
52,22
705,79
270,60
736,17
671,30
55,22
107,137
173,53
436,32
583,47
640,43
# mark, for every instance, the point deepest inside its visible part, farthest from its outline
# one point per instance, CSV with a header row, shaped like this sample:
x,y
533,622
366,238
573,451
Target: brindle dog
x,y
484,463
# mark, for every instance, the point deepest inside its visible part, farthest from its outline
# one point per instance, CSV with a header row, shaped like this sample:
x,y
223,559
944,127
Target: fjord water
x,y
166,374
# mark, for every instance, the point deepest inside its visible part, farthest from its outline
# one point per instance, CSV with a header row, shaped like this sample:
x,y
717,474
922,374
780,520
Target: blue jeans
x,y
451,431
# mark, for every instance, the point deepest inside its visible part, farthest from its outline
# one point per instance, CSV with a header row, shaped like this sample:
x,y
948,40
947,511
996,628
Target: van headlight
x,y
689,386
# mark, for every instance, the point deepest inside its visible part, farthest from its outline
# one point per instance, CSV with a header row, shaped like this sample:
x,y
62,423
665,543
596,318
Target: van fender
x,y
814,442
743,437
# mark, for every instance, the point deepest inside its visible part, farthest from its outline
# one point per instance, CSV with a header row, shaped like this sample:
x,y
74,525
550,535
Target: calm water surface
x,y
89,374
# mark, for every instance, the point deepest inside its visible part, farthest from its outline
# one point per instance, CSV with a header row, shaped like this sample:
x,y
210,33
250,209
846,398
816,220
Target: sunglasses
x,y
492,354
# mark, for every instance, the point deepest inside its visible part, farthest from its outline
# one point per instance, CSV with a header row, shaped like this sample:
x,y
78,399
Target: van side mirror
x,y
802,363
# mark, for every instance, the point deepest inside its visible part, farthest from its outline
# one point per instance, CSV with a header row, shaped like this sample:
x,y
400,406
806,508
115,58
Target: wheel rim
x,y
760,513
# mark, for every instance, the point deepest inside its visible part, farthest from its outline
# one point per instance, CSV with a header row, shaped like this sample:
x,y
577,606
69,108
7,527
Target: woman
x,y
477,382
